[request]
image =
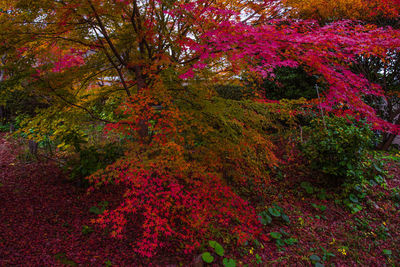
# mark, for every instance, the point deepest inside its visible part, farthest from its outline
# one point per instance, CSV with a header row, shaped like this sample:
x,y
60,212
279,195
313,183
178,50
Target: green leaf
x,y
280,243
275,235
372,183
277,207
285,218
229,262
283,232
315,258
318,264
217,247
258,259
264,218
387,252
353,198
291,241
379,179
274,212
377,168
355,208
207,257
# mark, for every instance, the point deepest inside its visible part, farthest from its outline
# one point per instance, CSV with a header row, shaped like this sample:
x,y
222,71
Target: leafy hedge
x,y
339,148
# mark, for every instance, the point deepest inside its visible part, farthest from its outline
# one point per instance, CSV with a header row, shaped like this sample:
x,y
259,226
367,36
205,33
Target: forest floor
x,y
46,221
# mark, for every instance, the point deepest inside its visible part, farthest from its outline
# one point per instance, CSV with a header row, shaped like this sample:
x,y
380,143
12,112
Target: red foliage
x,y
326,51
175,204
178,213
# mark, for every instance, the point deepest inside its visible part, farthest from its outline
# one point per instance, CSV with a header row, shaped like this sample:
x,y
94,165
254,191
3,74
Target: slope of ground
x,y
45,221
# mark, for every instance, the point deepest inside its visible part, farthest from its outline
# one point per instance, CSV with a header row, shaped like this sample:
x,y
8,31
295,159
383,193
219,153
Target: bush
x,y
339,149
92,159
233,92
4,127
289,83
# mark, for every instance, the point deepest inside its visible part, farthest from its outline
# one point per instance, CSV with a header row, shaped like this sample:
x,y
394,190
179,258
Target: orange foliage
x,y
329,10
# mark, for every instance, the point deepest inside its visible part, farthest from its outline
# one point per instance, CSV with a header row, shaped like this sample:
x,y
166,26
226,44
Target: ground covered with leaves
x,y
47,221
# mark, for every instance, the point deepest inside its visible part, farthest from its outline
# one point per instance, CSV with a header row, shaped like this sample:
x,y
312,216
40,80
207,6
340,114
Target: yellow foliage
x,y
329,10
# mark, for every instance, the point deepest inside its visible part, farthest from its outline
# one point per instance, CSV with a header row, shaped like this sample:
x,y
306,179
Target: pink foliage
x,y
326,52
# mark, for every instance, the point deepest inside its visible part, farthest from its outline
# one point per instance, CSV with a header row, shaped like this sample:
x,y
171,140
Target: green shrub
x,y
289,83
234,92
340,148
4,127
92,159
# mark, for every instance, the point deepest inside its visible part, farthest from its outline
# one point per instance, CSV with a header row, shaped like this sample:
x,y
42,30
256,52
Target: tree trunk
x,y
33,147
386,142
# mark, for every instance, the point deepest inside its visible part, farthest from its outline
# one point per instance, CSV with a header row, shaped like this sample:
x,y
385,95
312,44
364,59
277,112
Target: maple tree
x,y
157,62
380,70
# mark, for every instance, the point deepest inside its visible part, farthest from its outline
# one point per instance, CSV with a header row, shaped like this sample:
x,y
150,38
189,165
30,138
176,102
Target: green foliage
x,y
282,239
307,186
326,254
274,212
289,83
207,257
246,128
354,193
382,232
315,258
4,127
217,247
265,217
108,263
321,192
285,218
395,195
234,92
100,208
62,258
229,262
218,251
94,158
319,207
275,235
387,252
291,241
339,149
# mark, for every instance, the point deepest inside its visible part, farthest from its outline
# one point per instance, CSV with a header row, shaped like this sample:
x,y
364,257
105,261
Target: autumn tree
x,y
380,70
192,156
